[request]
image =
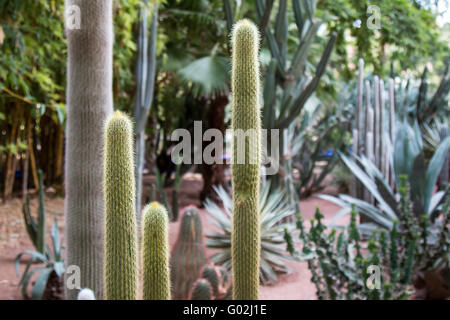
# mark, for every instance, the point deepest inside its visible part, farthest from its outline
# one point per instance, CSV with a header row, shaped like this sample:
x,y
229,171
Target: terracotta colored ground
x,y
13,240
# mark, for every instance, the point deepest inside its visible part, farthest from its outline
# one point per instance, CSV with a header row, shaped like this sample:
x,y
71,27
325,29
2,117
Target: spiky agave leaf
x,y
274,209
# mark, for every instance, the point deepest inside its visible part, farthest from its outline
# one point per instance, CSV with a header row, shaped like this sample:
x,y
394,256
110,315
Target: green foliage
x,y
274,211
51,259
339,266
188,254
155,253
403,24
36,229
245,173
407,160
121,270
315,144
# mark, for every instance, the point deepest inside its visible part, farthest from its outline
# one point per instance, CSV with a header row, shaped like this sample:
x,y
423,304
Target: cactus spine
x,y
188,254
121,271
155,253
245,244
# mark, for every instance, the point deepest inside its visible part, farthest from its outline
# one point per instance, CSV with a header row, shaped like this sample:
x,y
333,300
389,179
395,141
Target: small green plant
x,y
53,264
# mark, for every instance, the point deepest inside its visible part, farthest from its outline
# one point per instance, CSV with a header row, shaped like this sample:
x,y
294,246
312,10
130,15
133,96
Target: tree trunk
x,y
89,103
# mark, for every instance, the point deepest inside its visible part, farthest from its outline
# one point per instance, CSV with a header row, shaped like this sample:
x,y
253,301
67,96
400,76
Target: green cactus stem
x,y
155,253
245,244
188,254
121,271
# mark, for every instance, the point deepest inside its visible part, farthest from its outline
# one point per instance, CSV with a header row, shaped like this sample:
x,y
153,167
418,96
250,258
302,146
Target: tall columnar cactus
x,y
155,253
188,254
145,82
245,243
89,102
375,116
121,271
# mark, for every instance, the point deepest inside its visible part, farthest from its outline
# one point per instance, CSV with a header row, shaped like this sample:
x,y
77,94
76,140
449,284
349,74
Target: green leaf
x,y
209,75
433,170
59,268
40,284
55,240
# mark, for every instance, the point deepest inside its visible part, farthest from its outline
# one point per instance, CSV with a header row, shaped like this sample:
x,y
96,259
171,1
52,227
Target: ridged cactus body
x,y
188,254
211,273
245,244
155,253
202,290
121,271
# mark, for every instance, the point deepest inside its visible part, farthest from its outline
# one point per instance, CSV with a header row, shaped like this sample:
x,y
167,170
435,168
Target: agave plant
x,y
274,211
53,268
407,160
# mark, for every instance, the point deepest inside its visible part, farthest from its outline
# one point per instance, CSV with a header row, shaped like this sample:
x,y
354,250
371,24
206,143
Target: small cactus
x,y
202,290
155,253
121,271
245,243
211,273
188,254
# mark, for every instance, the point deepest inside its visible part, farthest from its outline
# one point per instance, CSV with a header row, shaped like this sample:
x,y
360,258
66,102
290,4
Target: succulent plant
x,y
188,254
274,211
201,290
246,119
121,269
155,252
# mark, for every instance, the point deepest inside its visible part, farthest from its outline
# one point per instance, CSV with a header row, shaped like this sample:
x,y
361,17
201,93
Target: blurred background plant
x,y
49,282
413,253
274,211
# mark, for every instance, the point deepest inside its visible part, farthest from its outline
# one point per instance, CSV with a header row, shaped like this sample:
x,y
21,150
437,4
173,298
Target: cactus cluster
x,y
214,284
245,244
188,256
121,261
374,128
